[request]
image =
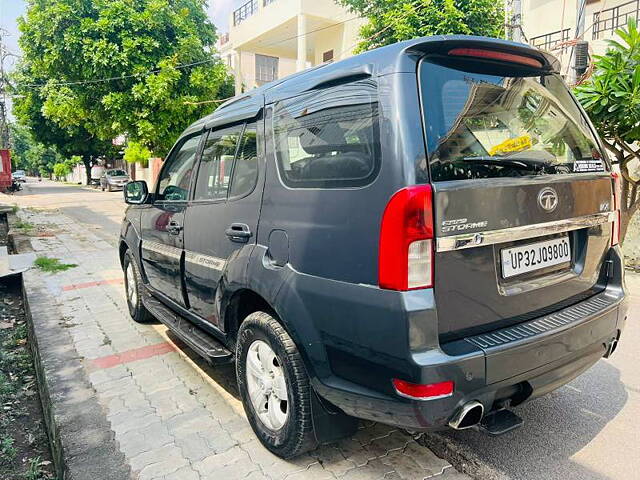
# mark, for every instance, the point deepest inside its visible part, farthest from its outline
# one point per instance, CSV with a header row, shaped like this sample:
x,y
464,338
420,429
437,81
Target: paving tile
x,y
176,421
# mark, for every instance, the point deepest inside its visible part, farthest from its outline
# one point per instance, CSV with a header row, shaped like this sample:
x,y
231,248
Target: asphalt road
x,y
100,211
585,430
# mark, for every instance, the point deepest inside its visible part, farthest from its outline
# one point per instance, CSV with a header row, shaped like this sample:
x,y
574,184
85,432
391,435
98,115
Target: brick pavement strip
x,y
138,409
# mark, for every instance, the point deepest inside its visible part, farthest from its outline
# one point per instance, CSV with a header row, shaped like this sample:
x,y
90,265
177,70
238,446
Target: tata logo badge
x,y
548,199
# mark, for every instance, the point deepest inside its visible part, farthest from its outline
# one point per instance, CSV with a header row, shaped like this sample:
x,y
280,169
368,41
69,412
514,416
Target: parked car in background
x,y
19,176
423,235
114,179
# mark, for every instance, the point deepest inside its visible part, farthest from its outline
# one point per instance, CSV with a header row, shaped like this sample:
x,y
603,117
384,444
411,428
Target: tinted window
x,y
217,161
482,124
328,138
245,170
175,176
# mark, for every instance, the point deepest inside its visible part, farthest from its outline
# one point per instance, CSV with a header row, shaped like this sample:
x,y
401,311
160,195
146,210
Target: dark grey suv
x,y
423,235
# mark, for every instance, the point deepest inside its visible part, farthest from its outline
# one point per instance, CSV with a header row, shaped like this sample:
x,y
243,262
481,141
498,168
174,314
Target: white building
x,y
547,24
270,39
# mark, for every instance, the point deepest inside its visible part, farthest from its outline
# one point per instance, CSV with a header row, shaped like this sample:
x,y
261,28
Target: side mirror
x,y
136,193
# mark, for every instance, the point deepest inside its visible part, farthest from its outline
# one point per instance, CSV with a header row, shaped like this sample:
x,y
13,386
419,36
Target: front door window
x,y
175,177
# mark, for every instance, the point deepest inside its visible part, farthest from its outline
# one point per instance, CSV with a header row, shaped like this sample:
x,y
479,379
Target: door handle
x,y
174,228
238,232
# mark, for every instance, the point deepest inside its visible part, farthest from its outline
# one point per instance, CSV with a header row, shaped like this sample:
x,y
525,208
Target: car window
x,y
175,176
483,124
328,138
117,173
216,163
245,170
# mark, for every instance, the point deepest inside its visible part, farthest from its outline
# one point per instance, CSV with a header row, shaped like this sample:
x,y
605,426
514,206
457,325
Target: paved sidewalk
x,y
172,416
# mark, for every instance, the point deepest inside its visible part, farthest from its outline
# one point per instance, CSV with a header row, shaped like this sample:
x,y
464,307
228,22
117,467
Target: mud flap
x,y
329,422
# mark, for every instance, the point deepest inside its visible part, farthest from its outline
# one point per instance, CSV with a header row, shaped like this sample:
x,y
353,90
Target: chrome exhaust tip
x,y
468,416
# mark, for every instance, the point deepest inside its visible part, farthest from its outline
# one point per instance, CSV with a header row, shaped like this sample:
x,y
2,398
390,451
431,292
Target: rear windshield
x,y
484,125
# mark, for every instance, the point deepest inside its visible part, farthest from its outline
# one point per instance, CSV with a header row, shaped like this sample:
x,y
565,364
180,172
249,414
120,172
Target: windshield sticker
x,y
517,144
590,165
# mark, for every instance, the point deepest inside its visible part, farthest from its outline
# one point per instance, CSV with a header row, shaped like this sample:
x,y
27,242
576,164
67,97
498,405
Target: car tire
x,y
134,289
259,332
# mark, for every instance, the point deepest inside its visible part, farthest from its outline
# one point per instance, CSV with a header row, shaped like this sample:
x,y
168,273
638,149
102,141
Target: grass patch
x,y
15,208
24,226
52,265
7,450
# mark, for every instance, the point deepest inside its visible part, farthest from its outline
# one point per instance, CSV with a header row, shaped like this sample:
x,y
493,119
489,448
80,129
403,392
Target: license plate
x,y
534,256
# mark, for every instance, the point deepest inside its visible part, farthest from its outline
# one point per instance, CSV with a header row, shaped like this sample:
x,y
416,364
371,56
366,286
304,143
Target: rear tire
x,y
284,427
133,288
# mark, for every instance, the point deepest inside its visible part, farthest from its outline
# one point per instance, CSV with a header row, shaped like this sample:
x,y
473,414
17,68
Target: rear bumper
x,y
512,365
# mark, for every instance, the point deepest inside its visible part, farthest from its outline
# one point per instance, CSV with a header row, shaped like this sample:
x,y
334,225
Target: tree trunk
x,y
628,206
87,166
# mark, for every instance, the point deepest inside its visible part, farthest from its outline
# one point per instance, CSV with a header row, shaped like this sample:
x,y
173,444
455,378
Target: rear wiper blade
x,y
511,162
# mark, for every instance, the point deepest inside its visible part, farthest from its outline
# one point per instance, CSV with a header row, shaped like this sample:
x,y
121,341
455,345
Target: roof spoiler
x,y
444,44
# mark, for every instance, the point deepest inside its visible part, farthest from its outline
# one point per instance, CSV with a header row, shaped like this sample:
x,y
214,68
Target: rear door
x,y
223,216
162,223
522,196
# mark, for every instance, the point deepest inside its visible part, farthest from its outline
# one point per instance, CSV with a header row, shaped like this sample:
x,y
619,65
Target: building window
x,y
267,2
327,56
266,69
245,11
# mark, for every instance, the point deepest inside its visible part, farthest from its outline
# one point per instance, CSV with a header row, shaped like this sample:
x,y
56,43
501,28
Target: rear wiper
x,y
505,161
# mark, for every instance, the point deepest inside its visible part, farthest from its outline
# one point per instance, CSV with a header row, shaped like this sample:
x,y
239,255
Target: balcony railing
x,y
245,11
267,2
549,41
611,19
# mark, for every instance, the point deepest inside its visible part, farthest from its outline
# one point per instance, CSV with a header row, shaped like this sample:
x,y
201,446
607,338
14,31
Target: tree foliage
x,y
61,170
30,155
611,97
392,21
97,69
137,153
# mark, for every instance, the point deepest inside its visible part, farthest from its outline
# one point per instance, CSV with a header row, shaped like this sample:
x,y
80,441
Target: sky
x,y
10,10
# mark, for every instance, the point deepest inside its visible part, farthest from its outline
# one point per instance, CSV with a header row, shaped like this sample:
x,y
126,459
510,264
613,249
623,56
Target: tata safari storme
x,y
424,235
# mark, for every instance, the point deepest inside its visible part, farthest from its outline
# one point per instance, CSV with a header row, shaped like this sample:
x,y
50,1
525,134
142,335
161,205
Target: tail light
x,y
429,391
406,240
615,226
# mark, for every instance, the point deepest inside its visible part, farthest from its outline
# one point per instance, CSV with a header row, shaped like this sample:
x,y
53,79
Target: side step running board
x,y
197,339
499,422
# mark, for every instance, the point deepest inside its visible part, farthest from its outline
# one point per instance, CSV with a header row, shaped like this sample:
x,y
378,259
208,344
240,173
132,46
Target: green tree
x,y
611,97
61,170
97,69
30,155
137,153
392,21
28,109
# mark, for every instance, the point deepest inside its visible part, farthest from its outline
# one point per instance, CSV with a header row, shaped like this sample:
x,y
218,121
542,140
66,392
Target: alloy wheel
x,y
132,292
266,385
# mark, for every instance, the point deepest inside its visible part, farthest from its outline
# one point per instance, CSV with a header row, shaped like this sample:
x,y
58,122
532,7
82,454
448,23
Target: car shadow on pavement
x,y
556,428
224,375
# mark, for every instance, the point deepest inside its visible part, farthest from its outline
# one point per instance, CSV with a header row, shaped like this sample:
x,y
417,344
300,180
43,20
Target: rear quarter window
x,y
328,138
